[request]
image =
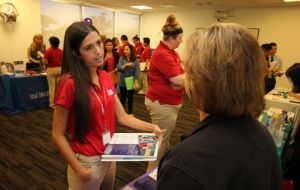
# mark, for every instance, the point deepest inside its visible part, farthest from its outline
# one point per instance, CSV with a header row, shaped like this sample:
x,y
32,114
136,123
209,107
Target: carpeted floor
x,y
29,160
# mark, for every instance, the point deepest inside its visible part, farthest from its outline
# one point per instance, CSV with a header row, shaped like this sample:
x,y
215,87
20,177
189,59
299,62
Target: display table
x,y
278,98
22,93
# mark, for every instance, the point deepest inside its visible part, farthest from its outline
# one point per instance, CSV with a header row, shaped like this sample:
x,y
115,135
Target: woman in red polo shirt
x,y
53,59
164,97
86,104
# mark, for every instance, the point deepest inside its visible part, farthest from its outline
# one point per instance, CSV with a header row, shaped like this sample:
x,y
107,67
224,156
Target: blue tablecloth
x,y
22,93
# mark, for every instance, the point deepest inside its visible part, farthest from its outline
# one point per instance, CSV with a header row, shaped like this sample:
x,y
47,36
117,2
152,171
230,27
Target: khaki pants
x,y
53,75
143,81
165,117
103,174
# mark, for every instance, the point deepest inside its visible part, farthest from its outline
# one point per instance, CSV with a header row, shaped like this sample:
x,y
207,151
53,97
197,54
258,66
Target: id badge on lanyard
x,y
106,133
105,136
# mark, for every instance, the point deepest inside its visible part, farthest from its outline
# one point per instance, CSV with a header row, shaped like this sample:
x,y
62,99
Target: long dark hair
x,y
107,41
293,73
73,64
114,53
132,52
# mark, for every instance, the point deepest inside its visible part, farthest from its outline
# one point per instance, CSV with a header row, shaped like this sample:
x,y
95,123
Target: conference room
x,y
29,159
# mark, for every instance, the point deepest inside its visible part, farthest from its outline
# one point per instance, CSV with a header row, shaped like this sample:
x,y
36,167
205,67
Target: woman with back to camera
x,y
86,104
293,75
53,59
229,149
164,97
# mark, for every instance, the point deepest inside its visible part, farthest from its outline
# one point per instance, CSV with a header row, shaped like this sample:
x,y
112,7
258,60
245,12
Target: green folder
x,y
129,81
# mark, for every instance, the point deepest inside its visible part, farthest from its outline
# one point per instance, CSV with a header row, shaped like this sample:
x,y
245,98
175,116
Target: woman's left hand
x,y
135,85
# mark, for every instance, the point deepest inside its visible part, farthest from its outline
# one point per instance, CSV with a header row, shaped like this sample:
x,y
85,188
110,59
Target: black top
x,y
222,154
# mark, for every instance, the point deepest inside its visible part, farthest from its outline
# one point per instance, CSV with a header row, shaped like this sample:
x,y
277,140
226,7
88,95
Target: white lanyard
x,y
102,106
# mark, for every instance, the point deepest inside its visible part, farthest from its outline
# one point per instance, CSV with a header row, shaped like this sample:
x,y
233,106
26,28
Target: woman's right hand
x,y
85,174
159,133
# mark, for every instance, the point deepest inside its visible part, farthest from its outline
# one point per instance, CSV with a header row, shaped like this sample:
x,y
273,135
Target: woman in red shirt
x,y
86,104
111,60
164,97
52,59
138,46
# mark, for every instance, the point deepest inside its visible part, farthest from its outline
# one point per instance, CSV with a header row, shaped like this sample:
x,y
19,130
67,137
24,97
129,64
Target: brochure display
x,y
131,147
279,123
281,94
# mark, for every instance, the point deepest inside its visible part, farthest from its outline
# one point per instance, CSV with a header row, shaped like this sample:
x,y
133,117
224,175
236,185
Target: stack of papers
x,y
131,147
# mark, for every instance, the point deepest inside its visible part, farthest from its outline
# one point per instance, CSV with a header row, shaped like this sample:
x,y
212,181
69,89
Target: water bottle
x,y
278,137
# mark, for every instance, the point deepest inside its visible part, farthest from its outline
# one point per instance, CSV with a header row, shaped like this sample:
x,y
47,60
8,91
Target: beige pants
x,y
53,75
165,117
103,174
143,80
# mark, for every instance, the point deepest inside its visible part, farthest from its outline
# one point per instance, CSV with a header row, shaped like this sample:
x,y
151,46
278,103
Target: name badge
x,y
110,92
106,137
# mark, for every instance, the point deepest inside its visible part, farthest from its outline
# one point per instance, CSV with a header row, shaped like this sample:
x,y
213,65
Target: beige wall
x,y
15,38
275,24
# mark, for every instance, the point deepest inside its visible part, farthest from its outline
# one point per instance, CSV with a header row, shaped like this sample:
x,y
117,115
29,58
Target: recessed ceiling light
x,y
142,7
287,1
168,6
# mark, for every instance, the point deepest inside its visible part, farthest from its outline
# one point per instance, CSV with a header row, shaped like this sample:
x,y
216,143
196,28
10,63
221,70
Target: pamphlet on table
x,y
281,94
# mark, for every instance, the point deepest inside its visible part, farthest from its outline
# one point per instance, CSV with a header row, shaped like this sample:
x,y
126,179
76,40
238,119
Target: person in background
x,y
111,60
164,96
229,149
276,65
52,60
270,80
138,46
124,40
35,54
86,105
116,44
128,66
145,57
293,74
103,37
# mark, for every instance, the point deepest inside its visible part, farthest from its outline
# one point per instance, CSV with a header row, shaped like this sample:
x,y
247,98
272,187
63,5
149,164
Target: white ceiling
x,y
179,5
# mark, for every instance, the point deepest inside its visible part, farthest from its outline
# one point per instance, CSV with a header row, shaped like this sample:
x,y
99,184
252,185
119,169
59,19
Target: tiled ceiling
x,y
179,5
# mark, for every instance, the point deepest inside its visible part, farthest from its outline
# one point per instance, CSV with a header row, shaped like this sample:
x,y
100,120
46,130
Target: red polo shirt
x,y
164,64
65,96
146,54
54,56
139,49
121,49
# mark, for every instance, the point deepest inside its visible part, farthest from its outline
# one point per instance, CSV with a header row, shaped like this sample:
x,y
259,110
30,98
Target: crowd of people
x,y
225,78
